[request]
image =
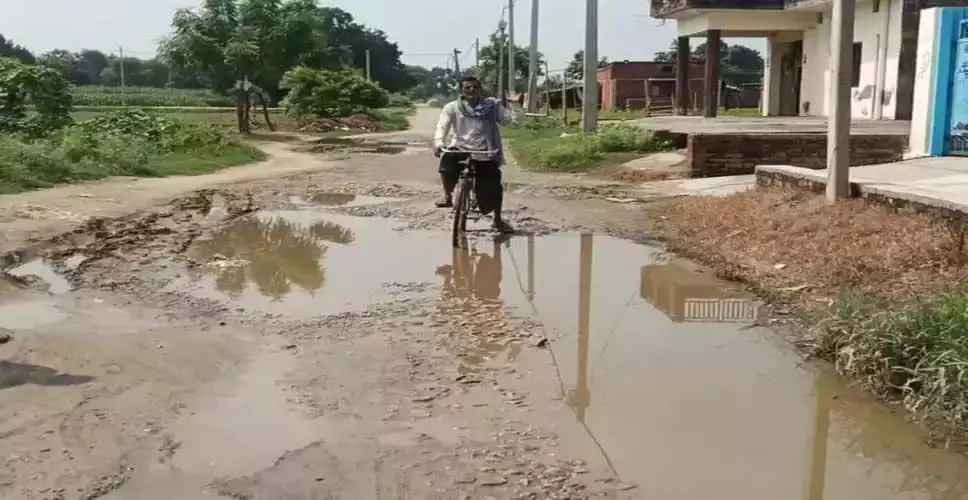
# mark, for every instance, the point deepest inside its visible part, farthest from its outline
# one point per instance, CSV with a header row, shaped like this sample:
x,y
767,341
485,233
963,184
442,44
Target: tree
x,y
487,71
738,64
68,64
350,41
431,83
226,41
93,63
18,52
576,68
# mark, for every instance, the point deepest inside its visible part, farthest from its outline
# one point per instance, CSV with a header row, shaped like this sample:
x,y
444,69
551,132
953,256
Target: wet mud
x,y
318,337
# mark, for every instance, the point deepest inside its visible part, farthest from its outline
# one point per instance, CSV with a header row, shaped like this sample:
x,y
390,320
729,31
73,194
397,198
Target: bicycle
x,y
466,196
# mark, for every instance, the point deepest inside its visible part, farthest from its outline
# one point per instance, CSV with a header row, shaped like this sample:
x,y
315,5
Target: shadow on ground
x,y
15,374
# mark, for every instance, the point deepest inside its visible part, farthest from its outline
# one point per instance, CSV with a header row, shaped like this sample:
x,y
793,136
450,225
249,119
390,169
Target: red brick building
x,y
637,85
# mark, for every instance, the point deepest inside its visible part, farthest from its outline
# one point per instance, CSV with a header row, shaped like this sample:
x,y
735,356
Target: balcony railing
x,y
665,8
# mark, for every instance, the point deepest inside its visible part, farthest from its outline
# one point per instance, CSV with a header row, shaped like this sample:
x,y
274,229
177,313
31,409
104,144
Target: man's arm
x,y
505,116
444,126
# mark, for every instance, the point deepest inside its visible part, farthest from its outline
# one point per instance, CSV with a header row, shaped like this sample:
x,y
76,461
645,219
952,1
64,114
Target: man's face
x,y
471,90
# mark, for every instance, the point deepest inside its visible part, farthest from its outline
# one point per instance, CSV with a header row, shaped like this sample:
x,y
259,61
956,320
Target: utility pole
x,y
838,123
547,88
369,76
564,99
477,52
512,87
457,64
121,62
533,60
500,61
589,110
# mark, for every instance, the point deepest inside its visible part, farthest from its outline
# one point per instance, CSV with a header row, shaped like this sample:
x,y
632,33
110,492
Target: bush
x,y
44,88
544,145
122,143
400,101
917,354
98,95
321,93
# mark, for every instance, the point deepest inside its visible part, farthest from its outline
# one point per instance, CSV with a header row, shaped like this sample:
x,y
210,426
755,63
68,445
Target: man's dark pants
x,y
490,192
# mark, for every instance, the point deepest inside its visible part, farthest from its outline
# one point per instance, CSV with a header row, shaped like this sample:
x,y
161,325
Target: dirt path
x,y
302,330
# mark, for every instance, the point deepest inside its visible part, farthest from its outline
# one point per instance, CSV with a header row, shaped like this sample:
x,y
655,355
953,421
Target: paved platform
x,y
768,125
709,186
932,182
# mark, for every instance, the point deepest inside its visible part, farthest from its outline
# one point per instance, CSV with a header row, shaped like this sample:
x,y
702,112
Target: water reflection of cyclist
x,y
473,272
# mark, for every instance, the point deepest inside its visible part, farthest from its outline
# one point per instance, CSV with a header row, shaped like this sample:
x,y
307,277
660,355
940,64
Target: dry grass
x,y
793,245
885,294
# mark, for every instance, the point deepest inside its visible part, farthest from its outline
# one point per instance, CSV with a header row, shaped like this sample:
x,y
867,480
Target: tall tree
x,y
68,64
487,71
18,52
738,64
430,83
259,40
93,63
576,67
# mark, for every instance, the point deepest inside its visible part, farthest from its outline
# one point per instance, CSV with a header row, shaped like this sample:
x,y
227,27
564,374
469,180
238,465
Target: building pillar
x,y
771,77
711,79
683,62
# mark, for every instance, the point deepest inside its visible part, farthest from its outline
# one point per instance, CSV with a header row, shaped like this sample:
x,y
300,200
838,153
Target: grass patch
x,y
915,353
884,294
122,144
545,146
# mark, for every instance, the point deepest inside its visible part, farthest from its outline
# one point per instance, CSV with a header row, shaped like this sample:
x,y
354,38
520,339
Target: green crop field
x,y
97,95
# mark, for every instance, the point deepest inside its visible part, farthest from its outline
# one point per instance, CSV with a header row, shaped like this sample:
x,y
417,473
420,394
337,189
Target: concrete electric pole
x,y
533,60
589,111
457,64
838,123
369,76
512,87
502,26
477,52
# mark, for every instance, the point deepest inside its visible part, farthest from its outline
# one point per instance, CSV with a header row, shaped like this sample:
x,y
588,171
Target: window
x,y
855,71
667,69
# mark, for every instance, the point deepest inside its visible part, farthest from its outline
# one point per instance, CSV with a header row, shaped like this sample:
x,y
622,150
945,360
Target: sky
x,y
419,27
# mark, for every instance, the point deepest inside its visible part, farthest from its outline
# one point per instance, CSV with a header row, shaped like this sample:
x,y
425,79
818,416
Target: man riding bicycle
x,y
474,121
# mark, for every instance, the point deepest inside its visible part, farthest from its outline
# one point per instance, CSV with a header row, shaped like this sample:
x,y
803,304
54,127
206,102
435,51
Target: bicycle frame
x,y
466,199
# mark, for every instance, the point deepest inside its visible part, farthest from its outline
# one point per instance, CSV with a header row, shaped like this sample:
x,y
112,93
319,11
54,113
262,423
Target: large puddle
x,y
661,365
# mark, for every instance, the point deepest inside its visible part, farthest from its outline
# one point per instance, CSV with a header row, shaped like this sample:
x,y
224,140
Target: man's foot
x,y
502,227
445,202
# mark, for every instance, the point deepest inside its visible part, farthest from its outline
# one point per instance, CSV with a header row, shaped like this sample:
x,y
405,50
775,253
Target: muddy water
x,y
659,363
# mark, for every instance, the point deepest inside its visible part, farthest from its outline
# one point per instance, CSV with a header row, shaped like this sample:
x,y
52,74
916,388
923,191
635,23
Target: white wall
x,y
867,26
928,31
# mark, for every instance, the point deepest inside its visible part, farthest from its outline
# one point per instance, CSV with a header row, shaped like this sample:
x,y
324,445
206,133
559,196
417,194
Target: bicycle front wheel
x,y
462,207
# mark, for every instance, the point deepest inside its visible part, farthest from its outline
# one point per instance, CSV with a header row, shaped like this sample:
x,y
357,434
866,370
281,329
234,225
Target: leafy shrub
x,y
321,93
98,95
625,138
164,133
400,101
45,88
121,143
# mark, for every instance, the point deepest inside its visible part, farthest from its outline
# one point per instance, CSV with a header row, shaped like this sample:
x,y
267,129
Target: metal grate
x,y
720,310
958,145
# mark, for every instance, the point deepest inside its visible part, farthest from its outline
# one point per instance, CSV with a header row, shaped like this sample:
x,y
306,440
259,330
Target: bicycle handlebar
x,y
476,152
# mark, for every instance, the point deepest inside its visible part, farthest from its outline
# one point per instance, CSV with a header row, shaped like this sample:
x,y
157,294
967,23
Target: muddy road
x,y
308,333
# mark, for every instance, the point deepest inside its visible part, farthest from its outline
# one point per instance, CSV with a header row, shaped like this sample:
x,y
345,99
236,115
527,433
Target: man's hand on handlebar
x,y
438,152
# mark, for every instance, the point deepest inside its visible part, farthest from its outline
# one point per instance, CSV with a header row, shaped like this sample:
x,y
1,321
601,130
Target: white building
x,y
797,76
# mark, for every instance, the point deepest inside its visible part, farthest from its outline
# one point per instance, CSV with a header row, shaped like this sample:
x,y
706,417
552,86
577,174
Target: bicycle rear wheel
x,y
461,209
